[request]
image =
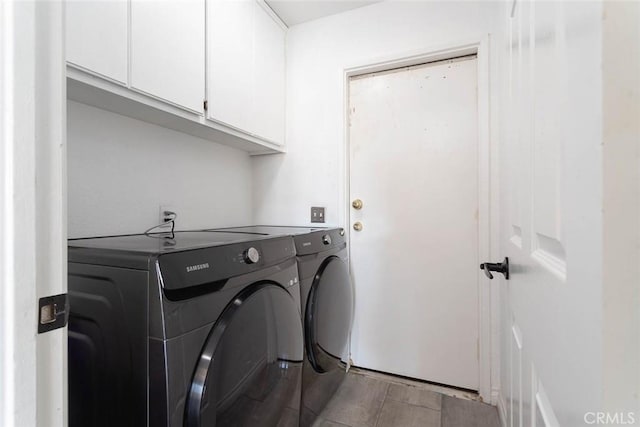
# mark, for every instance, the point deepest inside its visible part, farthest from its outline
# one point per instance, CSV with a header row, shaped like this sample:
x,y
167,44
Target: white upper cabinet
x,y
230,61
246,69
159,60
97,37
168,51
268,77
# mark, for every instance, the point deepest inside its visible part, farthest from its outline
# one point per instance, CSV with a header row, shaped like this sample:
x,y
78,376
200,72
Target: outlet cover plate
x,y
317,214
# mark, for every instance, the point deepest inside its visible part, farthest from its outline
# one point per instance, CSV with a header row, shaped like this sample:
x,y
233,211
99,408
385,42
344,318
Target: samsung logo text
x,y
197,267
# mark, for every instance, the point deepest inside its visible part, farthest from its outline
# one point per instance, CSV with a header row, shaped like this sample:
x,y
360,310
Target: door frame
x,y
33,217
488,202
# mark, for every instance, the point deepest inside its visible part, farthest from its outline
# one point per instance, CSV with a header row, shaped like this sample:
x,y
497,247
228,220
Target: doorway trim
x,y
33,219
488,202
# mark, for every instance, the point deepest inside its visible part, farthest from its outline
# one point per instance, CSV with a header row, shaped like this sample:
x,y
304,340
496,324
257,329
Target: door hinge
x,y
206,105
53,312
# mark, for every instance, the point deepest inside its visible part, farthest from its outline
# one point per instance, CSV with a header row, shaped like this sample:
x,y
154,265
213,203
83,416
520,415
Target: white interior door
x,y
414,166
551,214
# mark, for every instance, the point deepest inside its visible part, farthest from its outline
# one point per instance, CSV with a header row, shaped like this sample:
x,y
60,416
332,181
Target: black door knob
x,y
502,267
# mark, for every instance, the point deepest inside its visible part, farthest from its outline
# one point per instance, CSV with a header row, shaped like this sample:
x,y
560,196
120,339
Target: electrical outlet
x,y
165,218
317,214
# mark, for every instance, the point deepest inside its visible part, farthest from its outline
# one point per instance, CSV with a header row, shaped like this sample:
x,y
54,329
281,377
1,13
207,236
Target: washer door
x,y
249,370
328,315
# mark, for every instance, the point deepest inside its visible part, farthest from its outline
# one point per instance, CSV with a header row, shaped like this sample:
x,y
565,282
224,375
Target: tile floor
x,y
375,400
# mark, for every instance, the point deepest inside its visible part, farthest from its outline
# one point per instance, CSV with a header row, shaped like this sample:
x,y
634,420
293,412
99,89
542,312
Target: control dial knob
x,y
251,255
326,239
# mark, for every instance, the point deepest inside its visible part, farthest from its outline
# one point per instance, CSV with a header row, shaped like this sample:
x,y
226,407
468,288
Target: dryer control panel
x,y
320,241
207,265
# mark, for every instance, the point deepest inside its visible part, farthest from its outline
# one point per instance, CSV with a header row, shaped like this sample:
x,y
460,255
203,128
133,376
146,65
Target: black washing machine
x,y
202,329
327,307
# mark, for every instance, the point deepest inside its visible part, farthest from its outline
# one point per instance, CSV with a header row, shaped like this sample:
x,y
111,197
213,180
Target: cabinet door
x,y
168,50
230,61
268,77
96,36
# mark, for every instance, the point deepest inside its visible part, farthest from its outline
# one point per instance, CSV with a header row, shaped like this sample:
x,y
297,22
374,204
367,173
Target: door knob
x,y
502,267
357,226
357,204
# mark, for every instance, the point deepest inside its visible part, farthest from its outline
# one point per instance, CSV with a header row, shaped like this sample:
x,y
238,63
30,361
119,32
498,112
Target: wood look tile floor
x,y
377,400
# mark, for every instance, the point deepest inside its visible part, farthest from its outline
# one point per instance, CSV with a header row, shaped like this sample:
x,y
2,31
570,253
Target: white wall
x,y
312,172
120,170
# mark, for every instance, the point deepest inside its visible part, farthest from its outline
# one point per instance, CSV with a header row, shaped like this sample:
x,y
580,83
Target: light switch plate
x,y
317,214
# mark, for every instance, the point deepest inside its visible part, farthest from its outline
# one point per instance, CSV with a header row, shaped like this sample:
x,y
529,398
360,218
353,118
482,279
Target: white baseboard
x,y
495,395
502,410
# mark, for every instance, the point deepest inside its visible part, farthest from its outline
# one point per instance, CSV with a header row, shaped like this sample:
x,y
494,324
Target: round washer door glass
x,y
250,367
328,315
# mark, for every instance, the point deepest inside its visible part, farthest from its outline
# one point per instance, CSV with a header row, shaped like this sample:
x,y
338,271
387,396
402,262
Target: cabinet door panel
x,y
269,77
168,49
96,36
230,58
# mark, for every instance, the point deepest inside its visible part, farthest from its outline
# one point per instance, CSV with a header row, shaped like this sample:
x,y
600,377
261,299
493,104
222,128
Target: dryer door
x,y
249,371
328,315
